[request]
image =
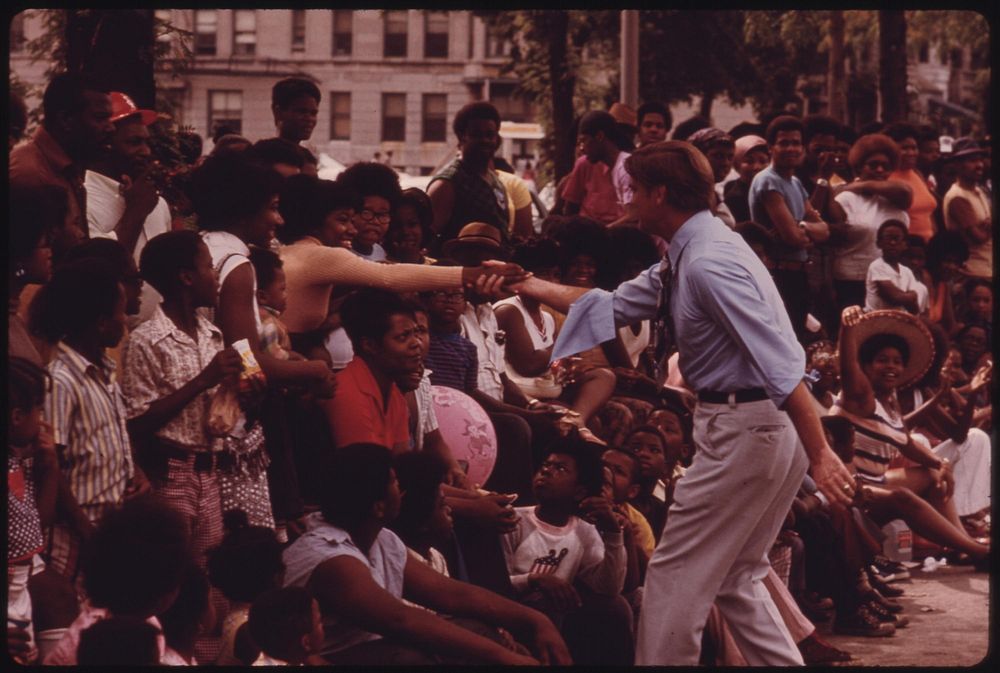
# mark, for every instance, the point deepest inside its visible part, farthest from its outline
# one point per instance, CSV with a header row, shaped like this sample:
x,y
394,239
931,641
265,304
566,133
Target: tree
x,y
546,57
892,64
836,84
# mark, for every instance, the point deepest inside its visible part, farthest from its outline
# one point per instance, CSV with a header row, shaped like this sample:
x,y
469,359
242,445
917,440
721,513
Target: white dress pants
x,y
727,511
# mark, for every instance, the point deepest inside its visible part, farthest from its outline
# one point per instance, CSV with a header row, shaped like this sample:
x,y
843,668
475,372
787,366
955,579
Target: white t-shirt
x,y
865,214
574,551
105,207
903,279
621,180
339,346
376,255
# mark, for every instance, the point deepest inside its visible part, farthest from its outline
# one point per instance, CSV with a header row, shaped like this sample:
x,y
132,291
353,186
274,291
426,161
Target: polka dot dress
x,y
244,486
24,529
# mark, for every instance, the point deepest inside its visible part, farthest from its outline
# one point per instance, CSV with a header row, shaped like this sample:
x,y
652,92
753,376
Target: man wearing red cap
x,y
122,199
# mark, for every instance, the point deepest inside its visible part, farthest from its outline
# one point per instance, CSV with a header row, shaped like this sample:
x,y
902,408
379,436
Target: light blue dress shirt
x,y
732,330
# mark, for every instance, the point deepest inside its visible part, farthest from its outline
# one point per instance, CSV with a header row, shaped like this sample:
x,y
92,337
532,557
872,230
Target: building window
x,y
394,116
244,32
395,34
924,53
298,30
436,35
206,23
343,32
497,46
956,59
435,118
340,116
225,109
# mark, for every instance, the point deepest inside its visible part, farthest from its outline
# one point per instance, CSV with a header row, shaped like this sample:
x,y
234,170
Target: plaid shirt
x,y
87,414
159,359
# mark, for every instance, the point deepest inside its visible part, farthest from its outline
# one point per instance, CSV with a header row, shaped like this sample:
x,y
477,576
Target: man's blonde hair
x,y
678,165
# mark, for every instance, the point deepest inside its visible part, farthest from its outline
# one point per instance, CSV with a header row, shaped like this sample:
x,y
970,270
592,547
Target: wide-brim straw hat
x,y
909,328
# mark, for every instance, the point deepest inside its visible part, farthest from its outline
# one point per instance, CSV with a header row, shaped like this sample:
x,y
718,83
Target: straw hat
x,y
478,237
623,114
909,328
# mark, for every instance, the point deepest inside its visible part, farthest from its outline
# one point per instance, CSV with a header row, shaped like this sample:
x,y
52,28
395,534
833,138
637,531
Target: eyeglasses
x,y
444,295
369,215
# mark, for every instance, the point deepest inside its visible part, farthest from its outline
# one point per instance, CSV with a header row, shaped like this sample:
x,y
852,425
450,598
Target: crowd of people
x,y
223,438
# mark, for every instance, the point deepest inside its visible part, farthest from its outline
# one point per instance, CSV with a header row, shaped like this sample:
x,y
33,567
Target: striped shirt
x,y
87,413
877,440
453,362
160,358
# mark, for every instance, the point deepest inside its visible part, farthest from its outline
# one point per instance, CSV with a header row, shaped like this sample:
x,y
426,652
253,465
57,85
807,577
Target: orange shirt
x,y
924,203
357,413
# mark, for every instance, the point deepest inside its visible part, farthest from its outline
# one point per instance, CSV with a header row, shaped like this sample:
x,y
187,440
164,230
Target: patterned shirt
x,y
453,362
24,529
87,414
479,325
476,199
159,359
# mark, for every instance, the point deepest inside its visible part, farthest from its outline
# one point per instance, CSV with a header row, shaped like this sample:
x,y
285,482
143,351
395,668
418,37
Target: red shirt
x,y
357,413
590,186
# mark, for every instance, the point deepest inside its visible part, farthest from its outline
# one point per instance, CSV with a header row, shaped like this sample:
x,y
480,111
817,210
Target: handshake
x,y
494,278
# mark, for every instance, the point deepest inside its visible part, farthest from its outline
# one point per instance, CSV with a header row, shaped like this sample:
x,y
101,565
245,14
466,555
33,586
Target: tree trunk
x,y
892,64
705,107
836,83
563,84
116,48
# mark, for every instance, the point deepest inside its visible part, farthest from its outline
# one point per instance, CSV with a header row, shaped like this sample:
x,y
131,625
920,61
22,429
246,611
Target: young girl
x,y
32,470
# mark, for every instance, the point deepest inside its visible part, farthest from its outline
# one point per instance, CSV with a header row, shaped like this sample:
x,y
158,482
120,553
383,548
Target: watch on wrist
x,y
822,182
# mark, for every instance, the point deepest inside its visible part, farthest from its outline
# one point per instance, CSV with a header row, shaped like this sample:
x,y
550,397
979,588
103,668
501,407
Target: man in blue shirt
x,y
737,349
780,203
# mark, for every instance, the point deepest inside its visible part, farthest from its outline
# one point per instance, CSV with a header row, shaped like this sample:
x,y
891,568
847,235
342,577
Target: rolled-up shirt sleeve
x,y
730,294
595,317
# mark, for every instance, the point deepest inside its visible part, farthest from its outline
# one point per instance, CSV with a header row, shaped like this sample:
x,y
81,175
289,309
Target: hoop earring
x,y
19,272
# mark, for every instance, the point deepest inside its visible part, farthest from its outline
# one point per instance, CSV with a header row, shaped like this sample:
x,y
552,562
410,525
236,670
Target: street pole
x,y
630,58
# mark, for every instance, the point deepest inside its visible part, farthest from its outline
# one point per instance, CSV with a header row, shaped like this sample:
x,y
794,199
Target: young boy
x,y
84,308
32,483
659,449
890,284
286,623
173,362
571,535
624,486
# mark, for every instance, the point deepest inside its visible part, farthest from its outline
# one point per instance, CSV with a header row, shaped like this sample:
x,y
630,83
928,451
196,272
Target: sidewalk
x,y
949,623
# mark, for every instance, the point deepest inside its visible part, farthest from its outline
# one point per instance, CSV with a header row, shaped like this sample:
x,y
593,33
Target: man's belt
x,y
739,396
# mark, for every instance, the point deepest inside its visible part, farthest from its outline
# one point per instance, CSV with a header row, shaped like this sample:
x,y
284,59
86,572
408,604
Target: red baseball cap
x,y
122,107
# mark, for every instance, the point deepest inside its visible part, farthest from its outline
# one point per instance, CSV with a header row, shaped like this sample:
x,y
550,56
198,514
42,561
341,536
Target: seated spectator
x,y
973,346
750,157
530,335
368,406
245,565
657,463
132,567
624,468
519,220
287,625
377,187
424,520
889,283
191,615
359,570
569,546
32,487
454,362
823,374
409,231
119,641
893,353
597,136
946,257
967,207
